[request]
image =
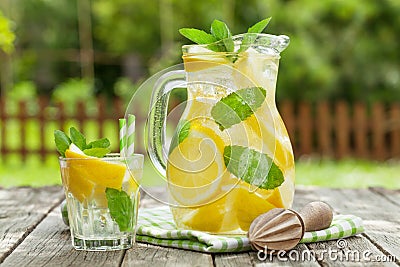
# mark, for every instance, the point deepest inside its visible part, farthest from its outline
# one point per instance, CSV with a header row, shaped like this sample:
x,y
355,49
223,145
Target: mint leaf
x,y
97,152
62,141
182,131
98,148
237,106
198,36
221,32
77,138
201,37
259,26
251,35
101,143
252,167
121,208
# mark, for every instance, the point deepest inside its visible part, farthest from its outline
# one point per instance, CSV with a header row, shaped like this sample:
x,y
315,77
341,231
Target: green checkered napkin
x,y
156,226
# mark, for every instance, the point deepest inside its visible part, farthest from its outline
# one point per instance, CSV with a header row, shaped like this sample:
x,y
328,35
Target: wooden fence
x,y
341,130
335,130
49,117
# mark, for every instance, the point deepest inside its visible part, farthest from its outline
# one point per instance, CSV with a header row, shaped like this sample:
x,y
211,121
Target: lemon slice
x,y
84,174
195,167
81,189
200,62
207,218
249,202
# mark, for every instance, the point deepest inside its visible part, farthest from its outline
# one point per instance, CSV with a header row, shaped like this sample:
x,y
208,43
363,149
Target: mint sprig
x,y
98,148
62,142
252,167
77,138
198,36
237,106
220,31
121,208
250,37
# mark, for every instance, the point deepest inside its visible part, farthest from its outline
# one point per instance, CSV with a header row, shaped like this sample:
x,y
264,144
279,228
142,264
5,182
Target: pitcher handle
x,y
156,130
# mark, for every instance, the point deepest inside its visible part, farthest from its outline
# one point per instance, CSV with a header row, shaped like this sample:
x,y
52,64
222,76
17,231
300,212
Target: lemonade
x,y
102,193
231,158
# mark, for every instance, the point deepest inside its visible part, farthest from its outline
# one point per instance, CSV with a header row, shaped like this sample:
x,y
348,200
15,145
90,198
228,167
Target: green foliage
x,y
124,26
22,91
44,28
339,49
124,88
7,36
73,91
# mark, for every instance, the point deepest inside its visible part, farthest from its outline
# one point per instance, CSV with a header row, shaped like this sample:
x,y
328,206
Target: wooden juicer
x,y
282,229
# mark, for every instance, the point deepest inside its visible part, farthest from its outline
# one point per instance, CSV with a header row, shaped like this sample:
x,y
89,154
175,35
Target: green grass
x,y
348,173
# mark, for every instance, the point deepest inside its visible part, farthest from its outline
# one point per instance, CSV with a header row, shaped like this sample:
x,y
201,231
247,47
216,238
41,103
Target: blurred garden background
x,y
78,62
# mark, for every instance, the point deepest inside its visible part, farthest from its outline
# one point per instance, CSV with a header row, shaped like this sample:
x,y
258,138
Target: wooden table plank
x,y
49,244
21,209
149,255
233,259
391,195
381,218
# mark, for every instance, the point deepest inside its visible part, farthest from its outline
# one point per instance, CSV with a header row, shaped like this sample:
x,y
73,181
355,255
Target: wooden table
x,y
33,234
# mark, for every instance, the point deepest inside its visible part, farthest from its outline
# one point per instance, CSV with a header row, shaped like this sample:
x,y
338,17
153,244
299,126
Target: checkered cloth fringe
x,y
156,226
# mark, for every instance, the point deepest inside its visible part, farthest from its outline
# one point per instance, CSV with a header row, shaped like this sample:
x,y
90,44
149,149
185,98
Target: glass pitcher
x,y
230,158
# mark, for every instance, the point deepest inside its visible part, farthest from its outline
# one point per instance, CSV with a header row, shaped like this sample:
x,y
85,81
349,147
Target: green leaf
x,y
62,142
101,143
98,152
259,26
221,32
252,167
237,106
198,36
121,208
182,131
201,37
251,35
77,138
98,148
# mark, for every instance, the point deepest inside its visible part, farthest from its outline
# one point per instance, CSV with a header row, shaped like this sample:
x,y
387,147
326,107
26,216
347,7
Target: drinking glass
x,y
102,196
